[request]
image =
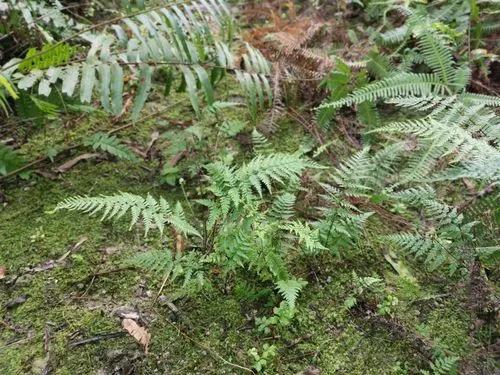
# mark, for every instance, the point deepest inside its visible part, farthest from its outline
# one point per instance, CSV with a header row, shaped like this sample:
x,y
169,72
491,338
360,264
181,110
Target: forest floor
x,y
65,285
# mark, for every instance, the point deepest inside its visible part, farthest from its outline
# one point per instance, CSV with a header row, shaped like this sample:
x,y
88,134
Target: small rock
x,y
16,301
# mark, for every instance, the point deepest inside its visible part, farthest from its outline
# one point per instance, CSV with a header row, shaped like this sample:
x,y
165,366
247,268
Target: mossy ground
x,y
67,303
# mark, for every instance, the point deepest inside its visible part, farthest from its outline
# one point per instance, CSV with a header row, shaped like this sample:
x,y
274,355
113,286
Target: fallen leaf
x,y
3,272
398,265
71,163
139,333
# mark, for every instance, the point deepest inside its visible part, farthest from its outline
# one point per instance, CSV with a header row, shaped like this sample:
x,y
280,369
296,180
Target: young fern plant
x,y
245,226
187,39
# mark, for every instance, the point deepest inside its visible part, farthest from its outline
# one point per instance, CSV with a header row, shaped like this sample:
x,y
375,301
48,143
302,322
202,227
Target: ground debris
x,y
71,163
139,333
97,338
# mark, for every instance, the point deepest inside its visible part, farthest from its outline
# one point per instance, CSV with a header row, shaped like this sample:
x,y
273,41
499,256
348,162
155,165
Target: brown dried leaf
x,y
180,245
139,333
3,272
71,163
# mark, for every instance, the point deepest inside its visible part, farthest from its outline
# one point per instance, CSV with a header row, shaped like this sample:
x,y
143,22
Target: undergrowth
x,y
303,207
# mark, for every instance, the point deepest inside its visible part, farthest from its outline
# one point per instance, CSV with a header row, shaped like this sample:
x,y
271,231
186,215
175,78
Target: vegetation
x,y
308,187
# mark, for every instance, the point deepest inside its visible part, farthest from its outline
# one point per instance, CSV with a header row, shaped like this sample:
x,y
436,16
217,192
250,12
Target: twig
x,y
94,339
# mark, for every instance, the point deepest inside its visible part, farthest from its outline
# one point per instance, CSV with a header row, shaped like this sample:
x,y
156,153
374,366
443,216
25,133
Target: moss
x,y
73,304
448,326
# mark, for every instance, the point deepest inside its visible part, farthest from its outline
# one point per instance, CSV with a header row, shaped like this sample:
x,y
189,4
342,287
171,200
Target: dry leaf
x,y
71,163
137,332
3,272
180,245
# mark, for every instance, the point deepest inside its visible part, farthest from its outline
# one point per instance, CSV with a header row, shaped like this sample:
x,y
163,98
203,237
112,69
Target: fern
x,y
259,142
185,37
153,212
455,126
443,365
47,57
355,173
160,261
283,207
309,238
401,84
434,251
437,55
290,289
111,145
6,90
189,267
443,237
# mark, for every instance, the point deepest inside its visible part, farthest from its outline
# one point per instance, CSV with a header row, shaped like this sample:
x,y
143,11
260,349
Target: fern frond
x,y
264,170
110,144
184,37
259,142
394,36
9,160
414,195
153,212
437,55
307,237
402,84
282,207
159,261
354,175
432,251
290,289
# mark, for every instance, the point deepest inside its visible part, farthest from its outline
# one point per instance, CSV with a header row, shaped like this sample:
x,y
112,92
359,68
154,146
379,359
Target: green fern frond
x,y
160,261
259,142
355,174
110,144
307,237
48,56
154,213
437,55
402,84
264,170
433,251
394,36
283,207
184,37
414,195
9,160
290,289
379,65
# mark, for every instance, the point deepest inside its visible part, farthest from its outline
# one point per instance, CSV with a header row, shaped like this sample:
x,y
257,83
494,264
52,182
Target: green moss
x,y
72,304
